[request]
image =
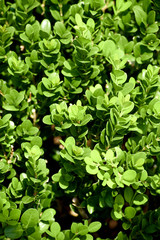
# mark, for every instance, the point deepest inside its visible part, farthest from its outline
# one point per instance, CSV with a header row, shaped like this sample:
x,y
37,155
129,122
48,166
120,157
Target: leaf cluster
x,y
79,119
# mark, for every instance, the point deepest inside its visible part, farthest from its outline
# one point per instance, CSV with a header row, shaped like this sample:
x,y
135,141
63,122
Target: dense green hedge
x,y
79,119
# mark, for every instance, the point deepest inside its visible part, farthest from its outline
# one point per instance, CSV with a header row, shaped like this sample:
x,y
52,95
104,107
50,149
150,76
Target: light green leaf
x,y
59,28
74,227
48,214
82,229
119,3
79,21
89,161
139,162
109,155
15,214
46,26
96,156
108,48
92,169
129,175
55,229
153,28
117,214
125,6
144,175
127,108
30,218
27,199
60,236
156,108
35,152
140,15
118,76
94,227
43,227
128,87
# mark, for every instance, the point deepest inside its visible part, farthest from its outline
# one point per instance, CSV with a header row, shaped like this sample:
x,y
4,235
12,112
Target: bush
x,y
79,119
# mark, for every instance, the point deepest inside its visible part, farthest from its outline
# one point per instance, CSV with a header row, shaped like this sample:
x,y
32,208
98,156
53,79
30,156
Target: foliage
x,y
79,119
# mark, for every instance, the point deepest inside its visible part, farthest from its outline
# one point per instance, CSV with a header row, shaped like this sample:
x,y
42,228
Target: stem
x,y
61,11
1,93
73,237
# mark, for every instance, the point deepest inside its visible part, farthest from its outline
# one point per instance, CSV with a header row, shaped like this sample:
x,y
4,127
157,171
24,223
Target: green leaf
x,y
74,227
13,232
35,152
129,175
118,76
109,155
129,212
60,236
55,15
156,108
29,31
82,230
30,218
96,4
46,26
47,120
128,87
25,38
63,183
15,214
79,21
15,97
36,140
55,1
144,175
87,118
140,15
142,53
27,199
59,29
108,48
92,169
138,163
126,226
116,214
152,28
96,156
79,228
48,214
119,3
128,194
89,161
56,177
55,229
125,6
140,199
127,108
94,227
119,200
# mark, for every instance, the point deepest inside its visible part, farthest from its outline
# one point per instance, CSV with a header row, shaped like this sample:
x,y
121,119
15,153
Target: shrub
x,y
79,119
